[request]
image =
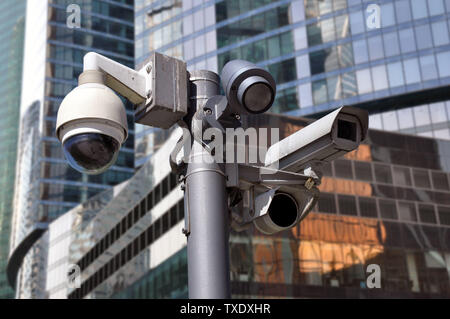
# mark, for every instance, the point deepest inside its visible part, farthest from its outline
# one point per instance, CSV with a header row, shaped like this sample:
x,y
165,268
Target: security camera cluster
x,y
91,126
273,196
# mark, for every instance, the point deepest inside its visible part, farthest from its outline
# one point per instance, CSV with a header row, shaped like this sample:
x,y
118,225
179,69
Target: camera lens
x,y
91,153
256,94
258,98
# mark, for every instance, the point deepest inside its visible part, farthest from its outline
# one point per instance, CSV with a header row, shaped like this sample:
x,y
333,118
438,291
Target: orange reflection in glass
x,y
330,243
344,186
267,261
340,229
362,153
322,245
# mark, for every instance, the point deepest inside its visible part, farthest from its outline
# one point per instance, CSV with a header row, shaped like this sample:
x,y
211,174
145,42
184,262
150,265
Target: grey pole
x,y
206,209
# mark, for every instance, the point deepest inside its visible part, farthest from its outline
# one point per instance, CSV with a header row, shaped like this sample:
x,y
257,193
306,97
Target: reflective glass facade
x,y
323,54
388,203
12,21
46,187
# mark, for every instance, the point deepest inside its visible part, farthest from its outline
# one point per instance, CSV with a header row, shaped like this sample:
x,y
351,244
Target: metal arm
x,y
129,83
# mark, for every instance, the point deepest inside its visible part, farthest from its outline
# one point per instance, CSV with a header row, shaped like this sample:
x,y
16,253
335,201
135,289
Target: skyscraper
x,y
386,203
46,187
323,54
12,20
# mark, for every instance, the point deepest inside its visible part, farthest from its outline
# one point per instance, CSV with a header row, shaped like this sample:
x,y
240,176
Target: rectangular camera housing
x,y
324,140
167,93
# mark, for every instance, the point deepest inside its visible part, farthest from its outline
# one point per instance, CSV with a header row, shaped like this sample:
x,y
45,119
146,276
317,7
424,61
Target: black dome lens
x,y
91,153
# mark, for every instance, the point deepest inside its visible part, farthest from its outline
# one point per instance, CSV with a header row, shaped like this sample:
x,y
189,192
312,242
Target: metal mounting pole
x,y
206,208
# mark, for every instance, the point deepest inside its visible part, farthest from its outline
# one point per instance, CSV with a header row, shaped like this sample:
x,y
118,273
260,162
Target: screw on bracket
x,y
309,183
149,68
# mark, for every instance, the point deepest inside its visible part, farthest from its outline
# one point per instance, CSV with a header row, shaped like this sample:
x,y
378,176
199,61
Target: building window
x,y
136,215
327,203
383,173
427,214
363,171
320,94
142,208
165,223
395,75
284,71
157,227
440,180
402,176
173,216
403,11
149,235
173,181
165,186
368,207
285,101
157,192
407,41
421,178
150,201
407,211
343,169
388,210
347,205
444,215
360,51
180,209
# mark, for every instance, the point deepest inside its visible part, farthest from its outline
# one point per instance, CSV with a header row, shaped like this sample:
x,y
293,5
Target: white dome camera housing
x,y
91,124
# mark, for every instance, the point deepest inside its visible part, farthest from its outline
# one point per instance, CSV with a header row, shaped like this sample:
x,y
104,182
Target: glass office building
x,y
46,187
323,54
387,203
12,20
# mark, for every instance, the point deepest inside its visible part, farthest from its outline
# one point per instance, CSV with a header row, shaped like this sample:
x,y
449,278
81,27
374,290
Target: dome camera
x,y
91,125
249,88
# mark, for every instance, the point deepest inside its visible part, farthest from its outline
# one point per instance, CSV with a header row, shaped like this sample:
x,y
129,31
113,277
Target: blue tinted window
x,y
403,11
356,22
387,15
436,7
348,84
423,36
353,2
407,42
375,48
391,46
412,73
428,67
334,88
440,33
443,60
319,91
419,9
360,51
